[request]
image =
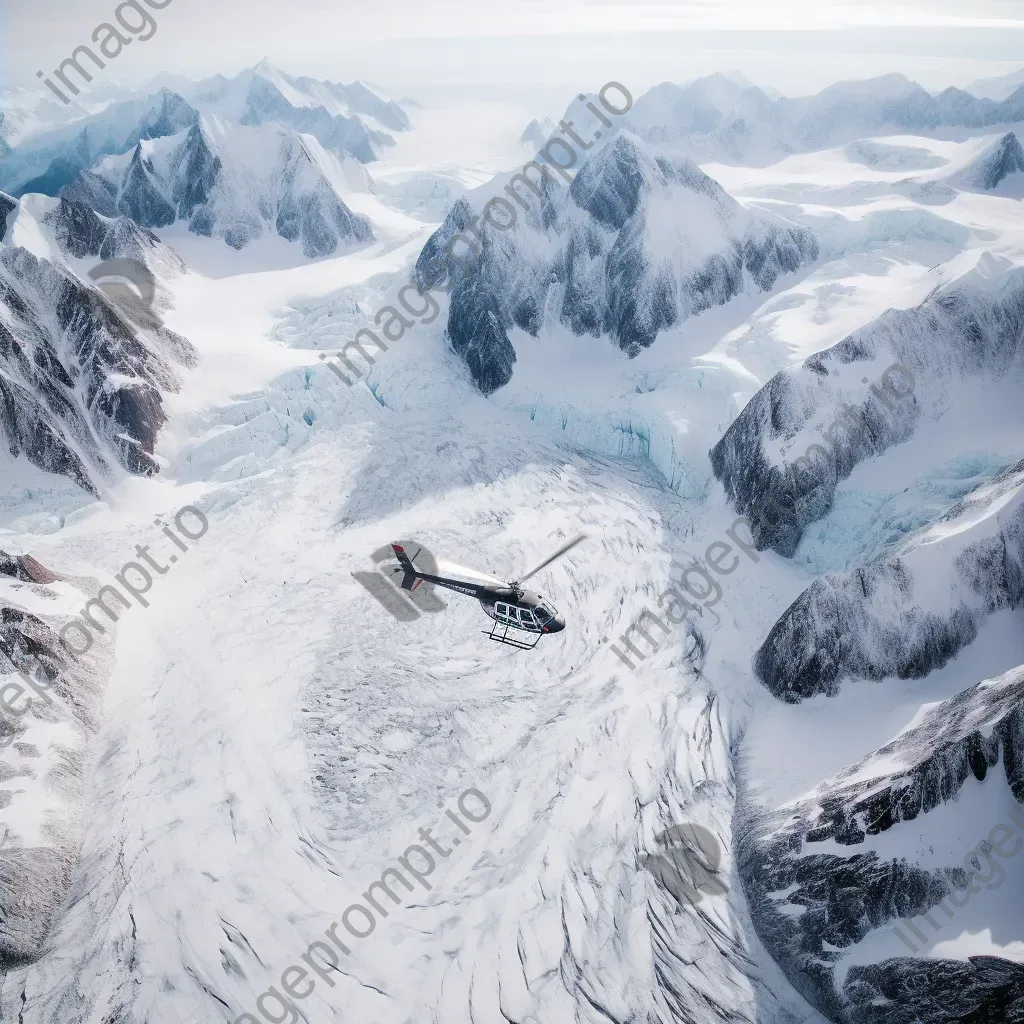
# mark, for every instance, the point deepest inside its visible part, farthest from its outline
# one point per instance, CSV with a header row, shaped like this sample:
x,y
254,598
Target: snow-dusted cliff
x,y
907,832
237,184
637,243
802,433
81,388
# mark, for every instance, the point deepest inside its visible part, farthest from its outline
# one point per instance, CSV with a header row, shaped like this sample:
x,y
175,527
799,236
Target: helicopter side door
x,y
505,614
515,616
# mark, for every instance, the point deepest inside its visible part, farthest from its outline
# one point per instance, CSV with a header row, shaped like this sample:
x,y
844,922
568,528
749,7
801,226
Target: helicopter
x,y
508,604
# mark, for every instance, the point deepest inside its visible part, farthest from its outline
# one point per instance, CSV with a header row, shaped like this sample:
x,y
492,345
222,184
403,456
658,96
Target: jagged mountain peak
x,y
80,388
239,182
612,184
346,119
986,164
639,242
48,162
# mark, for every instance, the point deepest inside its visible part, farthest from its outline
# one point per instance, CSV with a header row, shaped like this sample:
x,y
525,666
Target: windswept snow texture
x,y
636,244
237,183
829,877
45,755
882,156
804,431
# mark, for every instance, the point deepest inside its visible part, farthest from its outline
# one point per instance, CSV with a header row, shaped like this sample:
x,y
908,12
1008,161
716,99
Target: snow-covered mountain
x,y
836,879
640,241
910,611
842,881
997,87
998,163
82,387
236,183
51,159
845,401
650,352
345,119
715,118
25,112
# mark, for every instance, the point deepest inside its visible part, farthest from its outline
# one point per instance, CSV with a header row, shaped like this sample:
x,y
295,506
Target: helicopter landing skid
x,y
500,634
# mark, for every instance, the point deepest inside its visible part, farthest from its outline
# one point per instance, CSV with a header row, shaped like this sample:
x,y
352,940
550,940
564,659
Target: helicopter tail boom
x,y
411,580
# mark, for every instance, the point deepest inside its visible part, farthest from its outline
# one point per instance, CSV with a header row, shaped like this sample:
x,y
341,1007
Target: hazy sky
x,y
537,46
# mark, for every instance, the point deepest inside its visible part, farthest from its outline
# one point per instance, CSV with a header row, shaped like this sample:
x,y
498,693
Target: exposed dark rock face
x,y
93,191
78,383
7,205
335,132
583,253
993,166
824,418
317,218
25,568
812,909
882,620
140,198
1007,160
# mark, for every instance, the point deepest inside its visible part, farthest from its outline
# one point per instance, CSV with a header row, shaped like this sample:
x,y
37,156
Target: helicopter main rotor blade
x,y
558,554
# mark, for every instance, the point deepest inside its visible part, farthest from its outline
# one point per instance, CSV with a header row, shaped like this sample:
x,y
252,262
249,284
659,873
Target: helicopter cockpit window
x,y
527,619
544,612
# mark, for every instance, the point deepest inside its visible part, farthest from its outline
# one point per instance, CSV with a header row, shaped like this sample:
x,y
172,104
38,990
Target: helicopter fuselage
x,y
522,609
510,605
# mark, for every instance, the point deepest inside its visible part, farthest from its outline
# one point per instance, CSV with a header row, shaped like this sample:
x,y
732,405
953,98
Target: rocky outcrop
x,y
80,387
638,243
908,613
1000,159
829,872
782,458
25,568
